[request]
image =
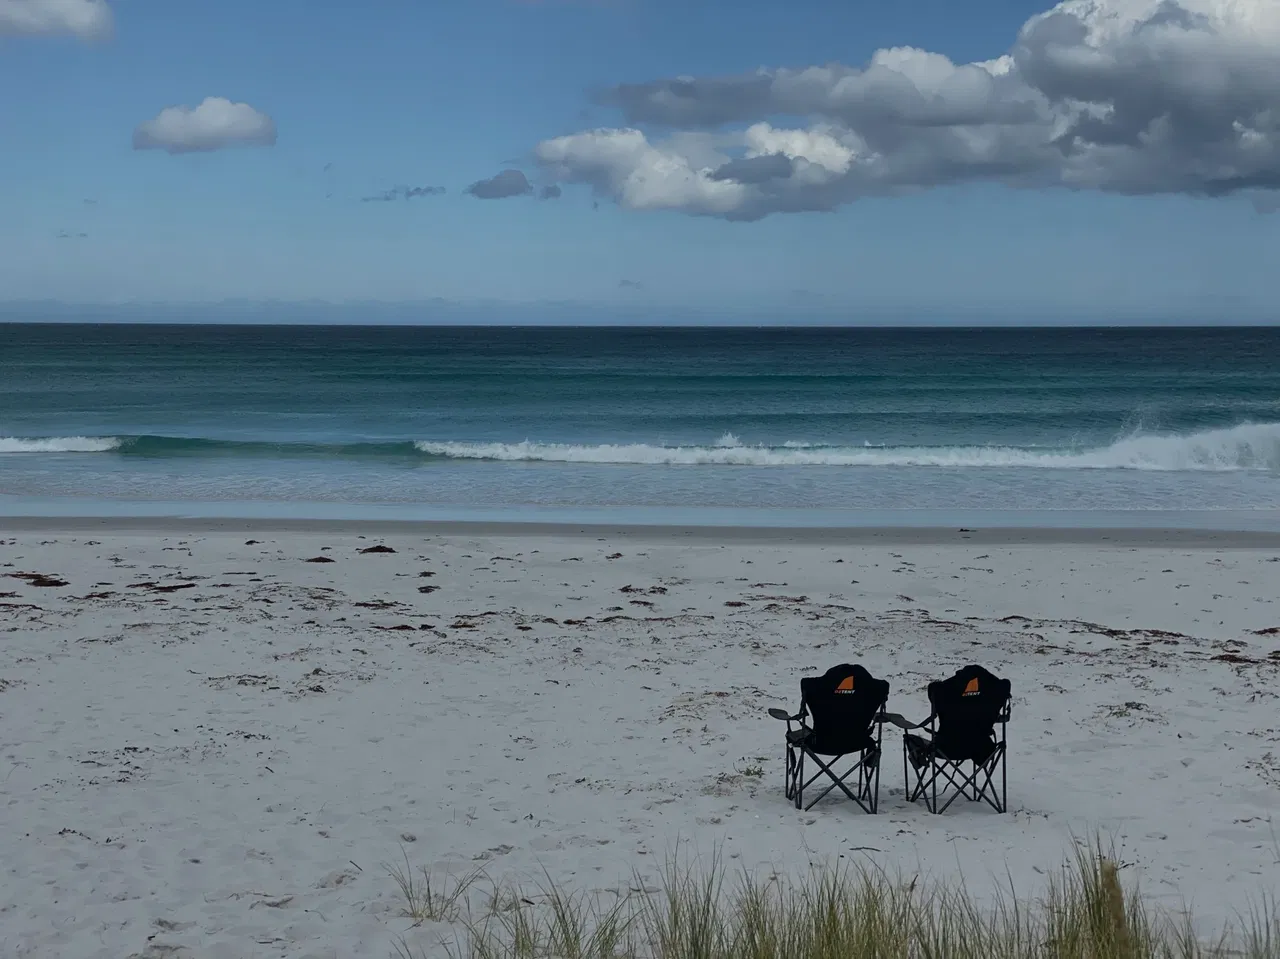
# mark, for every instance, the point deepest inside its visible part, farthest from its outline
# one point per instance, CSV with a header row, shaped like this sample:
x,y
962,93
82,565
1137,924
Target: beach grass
x,y
841,912
428,901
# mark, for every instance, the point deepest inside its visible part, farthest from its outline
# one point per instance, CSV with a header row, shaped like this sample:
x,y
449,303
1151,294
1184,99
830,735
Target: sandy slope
x,y
209,747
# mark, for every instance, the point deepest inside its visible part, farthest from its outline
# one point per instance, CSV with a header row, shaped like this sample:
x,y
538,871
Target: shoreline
x,y
1032,536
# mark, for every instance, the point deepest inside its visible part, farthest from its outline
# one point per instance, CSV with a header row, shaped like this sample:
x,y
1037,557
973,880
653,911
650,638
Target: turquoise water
x,y
575,421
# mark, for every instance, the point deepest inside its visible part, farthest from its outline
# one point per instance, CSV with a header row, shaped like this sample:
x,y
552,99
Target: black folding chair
x,y
846,707
960,751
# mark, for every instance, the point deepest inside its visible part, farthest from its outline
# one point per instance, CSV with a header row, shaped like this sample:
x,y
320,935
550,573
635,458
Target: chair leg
x,y
914,787
873,796
979,783
906,782
862,769
799,788
982,781
1004,777
1004,763
869,784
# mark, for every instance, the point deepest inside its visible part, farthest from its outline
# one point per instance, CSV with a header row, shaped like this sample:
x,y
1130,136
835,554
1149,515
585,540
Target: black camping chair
x,y
960,748
846,706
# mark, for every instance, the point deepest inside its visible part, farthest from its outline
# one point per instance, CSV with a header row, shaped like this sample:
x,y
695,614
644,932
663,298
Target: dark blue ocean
x,y
828,424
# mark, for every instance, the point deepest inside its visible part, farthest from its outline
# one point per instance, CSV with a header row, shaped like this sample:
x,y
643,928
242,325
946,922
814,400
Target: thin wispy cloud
x,y
86,19
215,124
1117,96
403,193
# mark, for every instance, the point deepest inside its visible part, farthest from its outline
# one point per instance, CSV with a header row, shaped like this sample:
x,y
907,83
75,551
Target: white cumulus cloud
x,y
1128,96
86,19
640,175
214,124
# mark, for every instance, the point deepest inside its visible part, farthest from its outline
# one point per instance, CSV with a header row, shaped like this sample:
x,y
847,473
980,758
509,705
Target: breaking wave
x,y
58,444
1245,447
1249,446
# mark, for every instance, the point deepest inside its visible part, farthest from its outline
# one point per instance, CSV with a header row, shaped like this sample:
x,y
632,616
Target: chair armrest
x,y
896,719
782,714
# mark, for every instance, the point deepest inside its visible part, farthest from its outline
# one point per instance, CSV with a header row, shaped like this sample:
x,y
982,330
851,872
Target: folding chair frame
x,y
977,783
867,767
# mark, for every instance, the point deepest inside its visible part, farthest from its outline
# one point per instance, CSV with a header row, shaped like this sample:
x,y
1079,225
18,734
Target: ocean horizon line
x,y
444,313
542,324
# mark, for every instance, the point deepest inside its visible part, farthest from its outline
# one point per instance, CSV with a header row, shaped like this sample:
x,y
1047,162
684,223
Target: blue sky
x,y
368,97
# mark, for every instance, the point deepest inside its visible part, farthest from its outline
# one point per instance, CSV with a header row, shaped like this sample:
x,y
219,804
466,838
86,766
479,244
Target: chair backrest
x,y
843,703
968,705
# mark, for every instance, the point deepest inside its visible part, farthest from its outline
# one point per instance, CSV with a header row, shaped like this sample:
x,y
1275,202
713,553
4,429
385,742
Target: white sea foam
x,y
1251,446
58,444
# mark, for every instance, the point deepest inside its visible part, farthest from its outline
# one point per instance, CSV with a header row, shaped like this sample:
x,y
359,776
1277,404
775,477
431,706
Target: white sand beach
x,y
212,738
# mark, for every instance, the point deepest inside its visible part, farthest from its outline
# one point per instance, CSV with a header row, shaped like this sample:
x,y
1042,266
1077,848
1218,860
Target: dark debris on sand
x,y
39,579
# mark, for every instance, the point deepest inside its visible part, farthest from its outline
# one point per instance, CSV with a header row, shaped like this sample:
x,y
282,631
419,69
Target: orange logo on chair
x,y
846,685
971,689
